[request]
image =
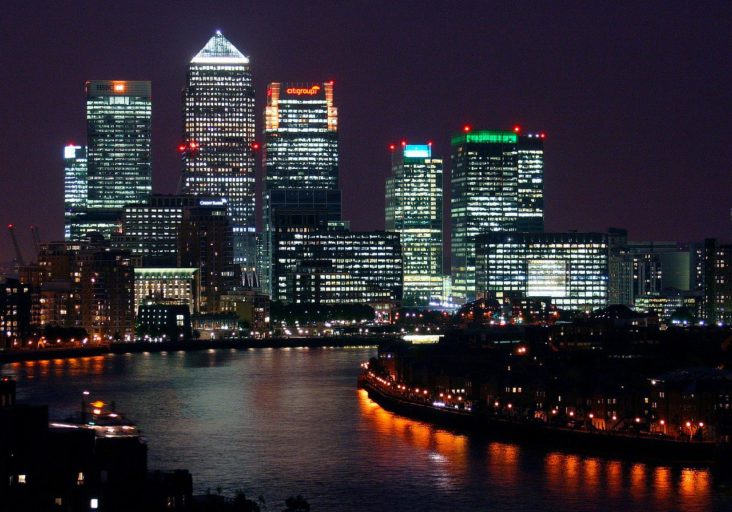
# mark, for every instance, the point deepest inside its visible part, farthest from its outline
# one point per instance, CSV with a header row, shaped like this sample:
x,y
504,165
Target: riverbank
x,y
189,345
604,443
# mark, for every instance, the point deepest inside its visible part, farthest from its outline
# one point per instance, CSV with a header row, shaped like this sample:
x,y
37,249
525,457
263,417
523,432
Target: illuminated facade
x,y
118,117
372,258
318,282
75,185
179,286
288,212
414,210
150,230
300,160
571,269
301,136
497,185
218,136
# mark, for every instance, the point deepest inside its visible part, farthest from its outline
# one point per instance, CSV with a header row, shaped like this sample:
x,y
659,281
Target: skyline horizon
x,y
593,205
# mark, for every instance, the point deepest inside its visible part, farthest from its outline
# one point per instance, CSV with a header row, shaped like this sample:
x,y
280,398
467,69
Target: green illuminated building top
x,y
497,185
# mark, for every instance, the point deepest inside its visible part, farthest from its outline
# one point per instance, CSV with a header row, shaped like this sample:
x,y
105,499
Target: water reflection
x,y
581,482
267,420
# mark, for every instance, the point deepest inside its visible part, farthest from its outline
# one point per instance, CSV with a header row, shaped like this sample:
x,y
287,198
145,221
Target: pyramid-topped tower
x,y
218,133
219,50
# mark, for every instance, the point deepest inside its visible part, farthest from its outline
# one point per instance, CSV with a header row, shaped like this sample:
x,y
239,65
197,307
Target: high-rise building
x,y
497,185
414,210
301,136
75,184
571,269
300,157
115,167
218,137
118,117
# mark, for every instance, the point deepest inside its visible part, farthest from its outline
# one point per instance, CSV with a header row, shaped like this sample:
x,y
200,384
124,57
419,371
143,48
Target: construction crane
x,y
36,239
18,254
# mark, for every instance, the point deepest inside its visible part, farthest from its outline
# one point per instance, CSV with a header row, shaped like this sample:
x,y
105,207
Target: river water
x,y
290,421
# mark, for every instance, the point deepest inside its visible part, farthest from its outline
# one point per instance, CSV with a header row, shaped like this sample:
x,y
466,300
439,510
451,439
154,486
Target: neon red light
x,y
517,128
467,128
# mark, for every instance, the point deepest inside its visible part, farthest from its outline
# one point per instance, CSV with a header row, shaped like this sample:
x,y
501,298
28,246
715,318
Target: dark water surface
x,y
283,422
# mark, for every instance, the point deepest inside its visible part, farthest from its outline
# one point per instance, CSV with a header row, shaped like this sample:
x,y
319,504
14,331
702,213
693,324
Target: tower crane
x,y
36,239
18,254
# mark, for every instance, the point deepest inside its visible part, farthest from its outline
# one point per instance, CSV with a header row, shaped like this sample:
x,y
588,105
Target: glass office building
x,y
118,117
373,259
414,210
75,185
497,185
570,269
218,137
301,136
301,164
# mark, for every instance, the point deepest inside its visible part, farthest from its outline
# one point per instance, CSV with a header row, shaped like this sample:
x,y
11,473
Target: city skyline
x,y
590,184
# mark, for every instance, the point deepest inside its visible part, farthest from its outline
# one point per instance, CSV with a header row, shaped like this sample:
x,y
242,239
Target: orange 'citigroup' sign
x,y
297,91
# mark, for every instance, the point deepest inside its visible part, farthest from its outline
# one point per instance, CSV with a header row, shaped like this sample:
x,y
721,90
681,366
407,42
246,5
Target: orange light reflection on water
x,y
448,452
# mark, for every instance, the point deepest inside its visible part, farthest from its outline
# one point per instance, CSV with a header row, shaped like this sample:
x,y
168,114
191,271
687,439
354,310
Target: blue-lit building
x,y
75,185
414,210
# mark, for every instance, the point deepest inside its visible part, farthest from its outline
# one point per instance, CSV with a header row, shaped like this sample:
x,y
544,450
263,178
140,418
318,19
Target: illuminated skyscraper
x,y
300,161
75,185
414,210
115,169
301,136
218,137
497,185
118,115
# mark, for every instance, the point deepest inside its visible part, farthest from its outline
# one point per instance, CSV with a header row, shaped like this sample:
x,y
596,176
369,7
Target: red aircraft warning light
x,y
543,135
392,147
467,128
517,129
404,143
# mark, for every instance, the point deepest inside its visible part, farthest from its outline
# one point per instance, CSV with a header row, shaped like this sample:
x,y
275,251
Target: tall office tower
x,y
300,153
75,185
218,136
530,183
414,210
496,186
301,136
118,115
118,169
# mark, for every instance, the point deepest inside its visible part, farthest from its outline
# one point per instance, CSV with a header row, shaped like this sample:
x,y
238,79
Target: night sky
x,y
635,97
